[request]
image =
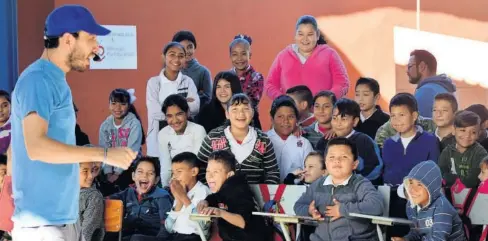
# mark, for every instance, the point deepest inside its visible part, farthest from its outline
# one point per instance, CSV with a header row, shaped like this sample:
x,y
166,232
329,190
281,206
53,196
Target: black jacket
x,y
373,123
236,197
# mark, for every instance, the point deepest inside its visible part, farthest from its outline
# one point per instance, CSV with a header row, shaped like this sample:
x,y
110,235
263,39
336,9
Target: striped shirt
x,y
259,167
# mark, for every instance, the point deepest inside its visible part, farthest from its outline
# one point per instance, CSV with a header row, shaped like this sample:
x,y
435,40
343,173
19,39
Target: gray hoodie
x,y
357,196
91,214
128,134
203,81
428,88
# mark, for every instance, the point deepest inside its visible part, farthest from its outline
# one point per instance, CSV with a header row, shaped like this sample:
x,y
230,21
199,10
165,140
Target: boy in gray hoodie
x,y
433,216
333,197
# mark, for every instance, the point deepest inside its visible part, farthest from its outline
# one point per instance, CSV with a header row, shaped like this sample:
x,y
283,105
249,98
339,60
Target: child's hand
x,y
201,206
177,189
299,174
212,211
298,131
312,210
397,239
189,99
333,211
329,135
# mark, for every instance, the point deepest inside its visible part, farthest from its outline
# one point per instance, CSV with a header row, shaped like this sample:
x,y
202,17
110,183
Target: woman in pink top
x,y
310,61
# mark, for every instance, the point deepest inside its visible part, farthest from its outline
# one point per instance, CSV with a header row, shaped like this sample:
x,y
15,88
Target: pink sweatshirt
x,y
323,70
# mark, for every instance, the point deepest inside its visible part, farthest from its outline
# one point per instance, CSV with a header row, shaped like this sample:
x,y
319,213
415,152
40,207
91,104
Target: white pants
x,y
69,232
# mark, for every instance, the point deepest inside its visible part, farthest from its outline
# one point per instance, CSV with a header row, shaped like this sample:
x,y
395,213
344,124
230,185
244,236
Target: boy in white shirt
x,y
188,192
290,150
180,135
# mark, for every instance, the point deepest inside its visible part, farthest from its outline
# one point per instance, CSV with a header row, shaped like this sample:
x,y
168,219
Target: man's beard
x,y
414,80
76,60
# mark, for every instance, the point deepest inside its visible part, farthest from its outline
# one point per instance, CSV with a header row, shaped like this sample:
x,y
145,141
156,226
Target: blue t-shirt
x,y
44,193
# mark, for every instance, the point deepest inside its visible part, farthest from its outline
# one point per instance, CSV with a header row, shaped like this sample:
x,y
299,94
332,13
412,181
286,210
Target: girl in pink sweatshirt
x,y
310,61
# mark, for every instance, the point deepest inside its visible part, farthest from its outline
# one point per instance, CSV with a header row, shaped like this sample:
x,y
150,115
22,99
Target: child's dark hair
x,y
153,160
225,157
302,93
241,39
186,157
175,100
342,141
480,110
281,101
5,95
371,83
238,99
318,154
449,98
404,99
466,118
185,35
232,78
325,93
348,107
171,45
309,19
3,159
123,96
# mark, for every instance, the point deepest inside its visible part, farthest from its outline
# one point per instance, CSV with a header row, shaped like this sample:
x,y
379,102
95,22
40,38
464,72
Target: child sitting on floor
x,y
232,200
332,198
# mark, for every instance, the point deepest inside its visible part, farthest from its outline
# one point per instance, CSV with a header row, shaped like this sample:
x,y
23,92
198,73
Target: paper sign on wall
x,y
118,50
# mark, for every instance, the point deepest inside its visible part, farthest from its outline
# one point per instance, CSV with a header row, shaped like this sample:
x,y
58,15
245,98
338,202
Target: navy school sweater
x,y
370,162
399,160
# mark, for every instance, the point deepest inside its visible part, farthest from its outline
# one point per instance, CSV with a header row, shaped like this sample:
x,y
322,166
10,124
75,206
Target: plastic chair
x,y
114,213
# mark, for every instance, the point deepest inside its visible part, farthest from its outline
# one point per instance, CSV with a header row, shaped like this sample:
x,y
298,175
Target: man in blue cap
x,y
45,166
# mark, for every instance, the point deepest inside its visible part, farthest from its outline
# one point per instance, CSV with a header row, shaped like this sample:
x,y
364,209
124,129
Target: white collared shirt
x,y
350,134
328,181
182,223
290,153
364,118
170,144
243,150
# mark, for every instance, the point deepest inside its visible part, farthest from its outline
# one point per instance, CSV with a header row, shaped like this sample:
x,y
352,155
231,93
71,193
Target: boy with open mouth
x,y
145,204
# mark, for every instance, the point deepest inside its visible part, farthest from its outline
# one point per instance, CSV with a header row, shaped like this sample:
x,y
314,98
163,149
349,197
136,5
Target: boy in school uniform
x,y
410,145
290,150
333,197
323,102
345,116
462,159
188,192
232,200
433,216
372,117
303,97
401,152
444,109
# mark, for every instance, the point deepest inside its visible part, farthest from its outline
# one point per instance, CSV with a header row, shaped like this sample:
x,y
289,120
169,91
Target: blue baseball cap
x,y
72,19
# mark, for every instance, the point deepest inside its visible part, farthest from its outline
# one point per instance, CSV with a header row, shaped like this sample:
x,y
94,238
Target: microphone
x,y
97,58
